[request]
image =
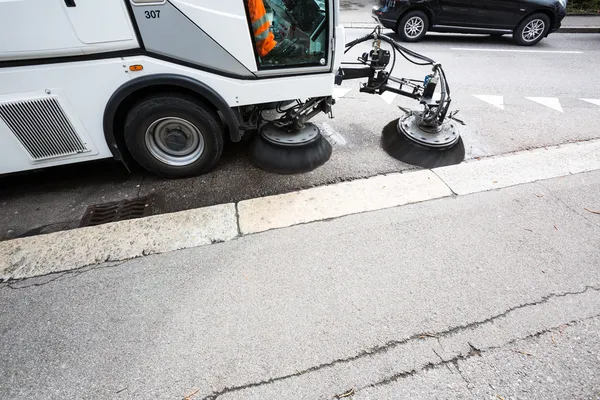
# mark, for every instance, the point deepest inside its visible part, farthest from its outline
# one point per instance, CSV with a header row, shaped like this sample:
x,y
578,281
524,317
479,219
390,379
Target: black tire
x,y
178,108
520,34
413,16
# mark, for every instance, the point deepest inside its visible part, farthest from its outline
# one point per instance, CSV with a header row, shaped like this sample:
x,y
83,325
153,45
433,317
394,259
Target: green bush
x,y
587,5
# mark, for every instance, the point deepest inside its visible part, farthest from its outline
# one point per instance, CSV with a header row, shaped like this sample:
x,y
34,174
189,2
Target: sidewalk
x,y
486,295
581,24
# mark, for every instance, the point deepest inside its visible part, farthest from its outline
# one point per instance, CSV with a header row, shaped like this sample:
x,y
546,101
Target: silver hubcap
x,y
533,30
174,141
414,27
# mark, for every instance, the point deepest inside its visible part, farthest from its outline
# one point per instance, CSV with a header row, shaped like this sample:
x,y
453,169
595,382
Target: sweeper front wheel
x,y
275,150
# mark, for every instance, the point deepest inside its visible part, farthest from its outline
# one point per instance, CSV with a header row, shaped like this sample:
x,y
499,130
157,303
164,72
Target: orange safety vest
x,y
264,39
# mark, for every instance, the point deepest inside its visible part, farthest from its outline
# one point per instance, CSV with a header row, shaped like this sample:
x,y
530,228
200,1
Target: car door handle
x,y
70,3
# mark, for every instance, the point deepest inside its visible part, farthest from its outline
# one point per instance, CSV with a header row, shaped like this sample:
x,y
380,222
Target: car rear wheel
x,y
174,136
413,26
531,30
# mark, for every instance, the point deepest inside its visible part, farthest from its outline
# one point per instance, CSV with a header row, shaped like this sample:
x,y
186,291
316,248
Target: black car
x,y
529,21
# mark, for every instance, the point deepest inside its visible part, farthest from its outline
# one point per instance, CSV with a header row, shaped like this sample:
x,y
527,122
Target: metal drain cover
x,y
99,214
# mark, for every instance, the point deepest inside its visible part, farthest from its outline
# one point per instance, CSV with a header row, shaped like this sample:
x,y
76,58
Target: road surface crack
x,y
140,186
56,276
461,357
395,343
237,220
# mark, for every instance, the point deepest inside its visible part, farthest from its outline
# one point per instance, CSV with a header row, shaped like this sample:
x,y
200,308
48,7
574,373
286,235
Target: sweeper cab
x,y
165,83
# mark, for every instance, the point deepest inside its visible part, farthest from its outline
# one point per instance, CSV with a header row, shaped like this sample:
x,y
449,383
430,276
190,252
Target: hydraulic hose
x,y
437,68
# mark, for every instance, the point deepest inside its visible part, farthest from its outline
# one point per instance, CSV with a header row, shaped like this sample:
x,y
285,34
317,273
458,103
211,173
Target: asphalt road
x,y
560,68
484,296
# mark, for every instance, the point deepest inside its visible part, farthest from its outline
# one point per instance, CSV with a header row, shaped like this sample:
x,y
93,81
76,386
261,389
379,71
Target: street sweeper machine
x,y
165,83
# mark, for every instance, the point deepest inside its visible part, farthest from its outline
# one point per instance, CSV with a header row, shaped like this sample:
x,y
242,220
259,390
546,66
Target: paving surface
x,y
56,199
582,20
445,293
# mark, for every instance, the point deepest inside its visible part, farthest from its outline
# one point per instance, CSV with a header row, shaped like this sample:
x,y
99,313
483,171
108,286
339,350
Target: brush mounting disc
x,y
437,137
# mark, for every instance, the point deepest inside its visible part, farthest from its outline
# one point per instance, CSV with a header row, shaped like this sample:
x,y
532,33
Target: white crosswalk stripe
x,y
551,102
593,101
389,97
496,101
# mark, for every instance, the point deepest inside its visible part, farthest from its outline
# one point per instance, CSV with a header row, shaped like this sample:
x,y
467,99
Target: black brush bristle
x,y
403,149
288,159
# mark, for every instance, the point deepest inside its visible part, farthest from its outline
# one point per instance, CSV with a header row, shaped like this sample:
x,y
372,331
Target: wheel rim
x,y
414,27
174,141
533,30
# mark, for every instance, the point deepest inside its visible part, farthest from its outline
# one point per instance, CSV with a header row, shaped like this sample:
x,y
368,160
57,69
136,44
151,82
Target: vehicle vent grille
x,y
42,127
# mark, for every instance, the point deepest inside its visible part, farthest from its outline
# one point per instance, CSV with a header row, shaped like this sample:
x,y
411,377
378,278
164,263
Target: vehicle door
x,y
480,14
56,28
497,14
35,28
456,13
99,21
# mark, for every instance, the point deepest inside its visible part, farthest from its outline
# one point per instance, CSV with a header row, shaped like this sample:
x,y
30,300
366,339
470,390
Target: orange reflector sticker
x,y
136,67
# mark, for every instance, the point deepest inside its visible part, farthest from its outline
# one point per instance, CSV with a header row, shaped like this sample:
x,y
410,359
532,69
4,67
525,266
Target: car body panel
x,y
470,16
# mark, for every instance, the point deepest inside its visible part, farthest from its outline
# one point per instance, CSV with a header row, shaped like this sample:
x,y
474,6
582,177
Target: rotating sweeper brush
x,y
286,143
429,137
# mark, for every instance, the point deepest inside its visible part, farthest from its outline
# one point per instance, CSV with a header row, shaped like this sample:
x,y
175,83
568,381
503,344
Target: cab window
x,y
289,33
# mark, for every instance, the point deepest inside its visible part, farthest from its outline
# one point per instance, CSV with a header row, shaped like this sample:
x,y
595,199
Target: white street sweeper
x,y
164,83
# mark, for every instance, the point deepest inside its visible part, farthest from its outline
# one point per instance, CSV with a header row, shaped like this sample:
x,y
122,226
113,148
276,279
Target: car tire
x,y
174,136
531,30
413,26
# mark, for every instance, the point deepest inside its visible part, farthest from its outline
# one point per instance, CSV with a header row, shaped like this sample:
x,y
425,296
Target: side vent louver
x,y
42,127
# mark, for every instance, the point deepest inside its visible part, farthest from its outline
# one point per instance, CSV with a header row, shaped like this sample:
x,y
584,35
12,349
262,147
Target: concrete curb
x,y
69,250
564,29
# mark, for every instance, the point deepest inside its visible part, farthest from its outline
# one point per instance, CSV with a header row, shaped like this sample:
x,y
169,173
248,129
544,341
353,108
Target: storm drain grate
x,y
99,214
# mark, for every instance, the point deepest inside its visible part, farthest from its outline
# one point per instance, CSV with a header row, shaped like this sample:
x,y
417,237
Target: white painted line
x,y
496,101
551,102
389,97
340,92
593,101
333,136
516,50
67,250
340,199
524,167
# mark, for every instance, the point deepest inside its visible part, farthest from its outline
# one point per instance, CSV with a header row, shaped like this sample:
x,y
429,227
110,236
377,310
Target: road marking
x,y
517,51
522,167
388,97
496,101
593,101
551,102
333,136
324,202
340,92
